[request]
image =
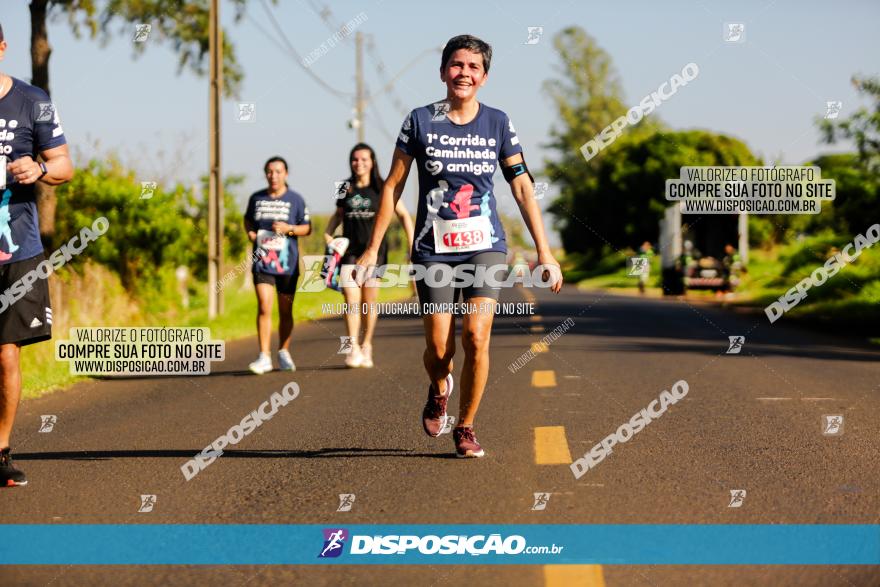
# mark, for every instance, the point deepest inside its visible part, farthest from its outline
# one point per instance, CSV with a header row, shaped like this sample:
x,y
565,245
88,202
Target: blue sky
x,y
765,91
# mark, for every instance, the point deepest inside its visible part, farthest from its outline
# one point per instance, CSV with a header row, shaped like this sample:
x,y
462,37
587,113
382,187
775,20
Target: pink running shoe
x,y
466,445
434,414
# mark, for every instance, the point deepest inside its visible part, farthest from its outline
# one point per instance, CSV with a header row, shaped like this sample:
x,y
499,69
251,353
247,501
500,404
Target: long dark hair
x,y
376,181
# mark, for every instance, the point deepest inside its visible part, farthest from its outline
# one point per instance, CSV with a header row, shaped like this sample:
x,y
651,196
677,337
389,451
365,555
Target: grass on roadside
x,y
42,374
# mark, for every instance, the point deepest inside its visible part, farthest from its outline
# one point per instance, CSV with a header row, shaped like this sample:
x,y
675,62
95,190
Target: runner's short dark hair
x,y
471,43
1,33
273,160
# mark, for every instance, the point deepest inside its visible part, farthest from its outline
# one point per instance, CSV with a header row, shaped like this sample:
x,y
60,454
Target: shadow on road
x,y
102,455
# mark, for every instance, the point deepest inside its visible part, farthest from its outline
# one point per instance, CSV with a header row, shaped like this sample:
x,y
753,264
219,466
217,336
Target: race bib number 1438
x,y
462,235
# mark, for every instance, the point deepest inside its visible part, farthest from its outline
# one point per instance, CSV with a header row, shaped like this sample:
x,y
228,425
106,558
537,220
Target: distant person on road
x,y
274,219
29,126
646,251
457,144
356,210
733,266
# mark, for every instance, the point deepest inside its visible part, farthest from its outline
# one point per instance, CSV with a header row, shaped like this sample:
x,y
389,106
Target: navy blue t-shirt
x,y
276,254
456,163
29,125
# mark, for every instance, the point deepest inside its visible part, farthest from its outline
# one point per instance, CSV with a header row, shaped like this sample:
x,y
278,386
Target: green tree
x,y
626,199
148,238
858,194
863,127
857,174
184,23
587,97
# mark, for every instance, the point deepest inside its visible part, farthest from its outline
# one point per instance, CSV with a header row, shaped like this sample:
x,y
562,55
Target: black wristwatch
x,y
43,169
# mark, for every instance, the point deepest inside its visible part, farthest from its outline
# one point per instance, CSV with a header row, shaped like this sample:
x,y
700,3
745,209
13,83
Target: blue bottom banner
x,y
520,544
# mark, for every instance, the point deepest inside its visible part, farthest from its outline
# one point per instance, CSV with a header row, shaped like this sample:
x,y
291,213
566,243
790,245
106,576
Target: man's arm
x,y
59,167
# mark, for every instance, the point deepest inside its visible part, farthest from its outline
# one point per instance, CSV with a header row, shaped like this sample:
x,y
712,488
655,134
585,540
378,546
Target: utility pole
x,y
360,101
215,181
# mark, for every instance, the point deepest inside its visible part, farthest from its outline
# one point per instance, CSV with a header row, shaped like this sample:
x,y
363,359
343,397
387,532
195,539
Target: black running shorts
x,y
284,284
25,311
448,293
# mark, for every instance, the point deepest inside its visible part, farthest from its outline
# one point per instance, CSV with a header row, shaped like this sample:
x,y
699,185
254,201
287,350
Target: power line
x,y
380,70
378,117
297,57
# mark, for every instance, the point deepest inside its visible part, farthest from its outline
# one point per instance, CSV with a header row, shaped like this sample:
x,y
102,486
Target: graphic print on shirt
x,y
29,125
457,213
5,229
435,202
275,253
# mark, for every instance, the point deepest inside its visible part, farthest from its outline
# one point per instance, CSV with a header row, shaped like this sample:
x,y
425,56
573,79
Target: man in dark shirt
x,y
29,126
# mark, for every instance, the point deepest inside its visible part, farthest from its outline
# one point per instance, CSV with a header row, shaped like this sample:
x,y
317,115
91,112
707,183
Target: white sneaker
x,y
354,359
285,361
263,364
367,356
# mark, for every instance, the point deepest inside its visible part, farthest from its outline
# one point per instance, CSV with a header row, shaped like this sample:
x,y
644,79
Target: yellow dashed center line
x,y
539,347
573,576
544,378
551,447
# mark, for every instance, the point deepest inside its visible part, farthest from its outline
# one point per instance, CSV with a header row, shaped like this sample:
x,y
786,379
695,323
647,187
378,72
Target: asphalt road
x,y
750,421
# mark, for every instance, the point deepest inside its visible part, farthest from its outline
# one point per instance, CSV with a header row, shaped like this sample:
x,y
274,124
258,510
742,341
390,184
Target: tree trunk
x,y
40,52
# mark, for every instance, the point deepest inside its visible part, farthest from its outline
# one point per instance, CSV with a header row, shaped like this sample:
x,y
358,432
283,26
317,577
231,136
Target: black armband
x,y
515,170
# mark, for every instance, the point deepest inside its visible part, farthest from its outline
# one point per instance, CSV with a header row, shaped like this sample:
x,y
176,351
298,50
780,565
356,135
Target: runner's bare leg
x,y
10,380
353,314
285,320
265,297
439,348
476,331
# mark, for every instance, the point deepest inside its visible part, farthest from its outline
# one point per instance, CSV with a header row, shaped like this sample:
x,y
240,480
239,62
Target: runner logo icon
x,y
832,109
148,502
736,344
334,541
440,110
341,188
638,266
142,32
832,424
47,423
346,500
737,497
345,345
44,112
541,501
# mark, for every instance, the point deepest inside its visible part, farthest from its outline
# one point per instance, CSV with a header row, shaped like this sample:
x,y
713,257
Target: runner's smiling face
x,y
361,164
463,75
276,176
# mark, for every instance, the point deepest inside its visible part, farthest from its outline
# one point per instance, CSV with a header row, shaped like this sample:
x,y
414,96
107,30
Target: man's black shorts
x,y
284,284
27,319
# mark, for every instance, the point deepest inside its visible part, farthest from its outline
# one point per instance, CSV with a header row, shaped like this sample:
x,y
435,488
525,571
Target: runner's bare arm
x,y
524,194
391,192
407,222
251,230
334,221
299,229
59,168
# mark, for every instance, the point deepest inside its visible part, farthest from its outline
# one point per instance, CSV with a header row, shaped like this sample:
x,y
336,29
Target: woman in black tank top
x,y
356,212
